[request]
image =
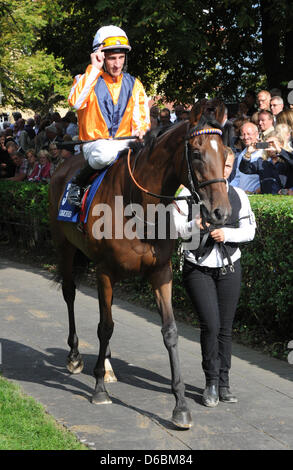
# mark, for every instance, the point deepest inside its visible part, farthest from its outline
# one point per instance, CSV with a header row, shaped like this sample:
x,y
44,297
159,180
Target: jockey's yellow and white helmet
x,y
112,38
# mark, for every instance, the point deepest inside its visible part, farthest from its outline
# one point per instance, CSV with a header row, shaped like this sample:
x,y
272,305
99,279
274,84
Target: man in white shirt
x,y
249,135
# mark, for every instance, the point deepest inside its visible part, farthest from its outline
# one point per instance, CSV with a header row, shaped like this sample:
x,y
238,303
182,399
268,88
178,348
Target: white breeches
x,y
102,153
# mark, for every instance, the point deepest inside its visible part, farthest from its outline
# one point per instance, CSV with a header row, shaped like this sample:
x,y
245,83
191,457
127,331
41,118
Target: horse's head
x,y
206,160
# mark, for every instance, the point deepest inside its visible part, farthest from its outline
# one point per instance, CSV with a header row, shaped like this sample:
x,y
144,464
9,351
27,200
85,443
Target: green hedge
x,y
267,263
266,302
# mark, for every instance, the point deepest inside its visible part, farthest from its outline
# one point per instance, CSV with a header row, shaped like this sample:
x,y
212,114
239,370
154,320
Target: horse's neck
x,y
156,167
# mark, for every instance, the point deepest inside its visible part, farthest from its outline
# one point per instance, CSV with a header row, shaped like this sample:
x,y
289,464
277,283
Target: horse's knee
x,y
170,335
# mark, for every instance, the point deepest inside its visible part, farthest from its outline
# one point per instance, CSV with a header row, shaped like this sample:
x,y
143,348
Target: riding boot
x,y
78,184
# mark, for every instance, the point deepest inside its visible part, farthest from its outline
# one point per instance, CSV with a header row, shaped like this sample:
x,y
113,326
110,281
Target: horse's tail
x,y
80,269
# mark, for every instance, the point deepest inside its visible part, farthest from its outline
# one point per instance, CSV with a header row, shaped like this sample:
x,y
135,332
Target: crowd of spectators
x,y
258,131
29,149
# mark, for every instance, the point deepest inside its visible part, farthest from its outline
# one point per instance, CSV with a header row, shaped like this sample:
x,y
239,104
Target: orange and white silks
x,y
107,108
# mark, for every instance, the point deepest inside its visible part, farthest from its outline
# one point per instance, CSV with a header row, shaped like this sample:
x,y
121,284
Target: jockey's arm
x,y
83,84
141,114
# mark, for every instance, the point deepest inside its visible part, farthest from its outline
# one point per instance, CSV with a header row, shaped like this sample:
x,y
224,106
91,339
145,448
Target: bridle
x,y
194,185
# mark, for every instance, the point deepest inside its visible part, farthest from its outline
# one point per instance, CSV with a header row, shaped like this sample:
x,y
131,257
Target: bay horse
x,y
160,167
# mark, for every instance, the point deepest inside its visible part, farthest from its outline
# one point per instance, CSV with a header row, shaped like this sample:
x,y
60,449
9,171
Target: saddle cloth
x,y
69,213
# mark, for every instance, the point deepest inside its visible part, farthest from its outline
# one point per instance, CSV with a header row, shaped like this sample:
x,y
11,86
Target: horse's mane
x,y
152,135
148,140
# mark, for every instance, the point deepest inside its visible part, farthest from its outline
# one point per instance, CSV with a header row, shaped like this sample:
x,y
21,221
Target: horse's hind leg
x,y
162,286
74,361
105,330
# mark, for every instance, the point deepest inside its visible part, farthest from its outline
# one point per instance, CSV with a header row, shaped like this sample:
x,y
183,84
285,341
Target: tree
x,y
179,49
185,48
30,77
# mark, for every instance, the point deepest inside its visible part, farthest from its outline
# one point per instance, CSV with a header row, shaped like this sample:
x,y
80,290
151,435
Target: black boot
x,y
210,395
226,396
78,184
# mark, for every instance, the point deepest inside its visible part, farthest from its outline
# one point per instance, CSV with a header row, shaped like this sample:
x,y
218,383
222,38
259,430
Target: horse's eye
x,y
196,154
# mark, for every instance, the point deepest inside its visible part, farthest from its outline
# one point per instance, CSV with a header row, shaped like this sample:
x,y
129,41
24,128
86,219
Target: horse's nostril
x,y
218,214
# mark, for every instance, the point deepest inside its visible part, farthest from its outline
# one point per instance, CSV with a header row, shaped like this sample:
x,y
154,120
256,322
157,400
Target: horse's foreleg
x,y
74,361
105,330
162,286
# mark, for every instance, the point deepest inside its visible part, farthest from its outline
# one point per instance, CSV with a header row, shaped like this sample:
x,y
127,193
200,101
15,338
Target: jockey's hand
x,y
139,134
97,58
218,235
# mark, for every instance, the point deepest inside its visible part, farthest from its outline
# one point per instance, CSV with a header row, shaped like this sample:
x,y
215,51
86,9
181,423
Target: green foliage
x,y
24,424
267,263
31,77
179,49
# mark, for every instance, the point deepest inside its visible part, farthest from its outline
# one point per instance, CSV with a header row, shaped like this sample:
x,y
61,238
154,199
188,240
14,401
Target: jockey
x,y
109,103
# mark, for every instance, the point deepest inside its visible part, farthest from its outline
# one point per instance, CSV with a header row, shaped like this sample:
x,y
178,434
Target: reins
x,y
194,185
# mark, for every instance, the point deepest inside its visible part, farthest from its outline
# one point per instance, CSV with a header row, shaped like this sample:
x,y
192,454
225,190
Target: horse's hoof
x,y
182,419
75,367
101,398
110,377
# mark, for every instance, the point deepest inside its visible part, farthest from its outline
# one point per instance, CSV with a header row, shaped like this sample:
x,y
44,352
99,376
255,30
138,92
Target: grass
x,y
25,425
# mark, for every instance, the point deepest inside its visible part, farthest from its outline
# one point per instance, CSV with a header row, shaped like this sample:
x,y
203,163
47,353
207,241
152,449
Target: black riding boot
x,y
78,184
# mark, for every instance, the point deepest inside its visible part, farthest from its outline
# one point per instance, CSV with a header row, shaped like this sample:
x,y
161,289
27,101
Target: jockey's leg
x,y
78,183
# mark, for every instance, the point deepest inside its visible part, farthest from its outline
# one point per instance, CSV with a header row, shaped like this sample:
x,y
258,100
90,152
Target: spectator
x,y
41,137
16,115
165,116
21,164
56,117
67,150
265,124
29,127
52,135
37,119
286,117
45,166
26,134
284,133
277,105
286,155
55,157
263,100
154,115
33,169
249,136
71,127
7,168
178,110
17,130
185,115
271,169
243,110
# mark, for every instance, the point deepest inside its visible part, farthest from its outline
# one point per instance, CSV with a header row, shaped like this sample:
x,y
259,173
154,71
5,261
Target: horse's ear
x,y
196,113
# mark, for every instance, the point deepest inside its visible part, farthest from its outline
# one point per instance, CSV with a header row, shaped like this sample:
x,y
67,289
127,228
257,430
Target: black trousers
x,y
214,297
